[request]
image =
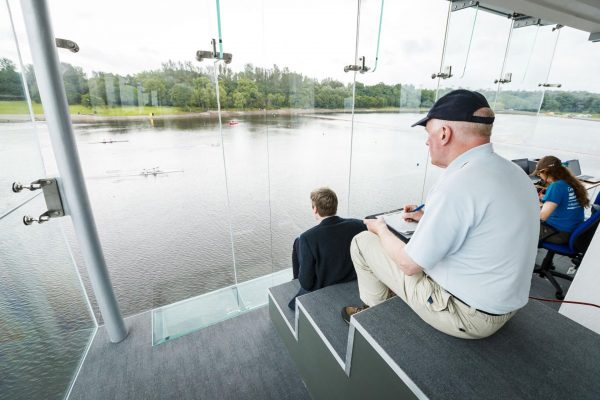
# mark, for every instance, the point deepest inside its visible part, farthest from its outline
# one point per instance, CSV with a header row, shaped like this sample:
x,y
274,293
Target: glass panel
x,y
244,84
475,47
144,113
46,320
175,320
19,147
528,60
570,114
308,111
389,158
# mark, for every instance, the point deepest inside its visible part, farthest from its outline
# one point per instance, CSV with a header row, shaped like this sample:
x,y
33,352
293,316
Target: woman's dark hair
x,y
552,166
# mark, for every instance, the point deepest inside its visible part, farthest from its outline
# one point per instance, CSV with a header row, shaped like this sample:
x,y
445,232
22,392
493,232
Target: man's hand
x,y
412,216
376,225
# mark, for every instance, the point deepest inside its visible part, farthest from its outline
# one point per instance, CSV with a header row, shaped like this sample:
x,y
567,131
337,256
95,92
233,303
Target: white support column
x,y
71,181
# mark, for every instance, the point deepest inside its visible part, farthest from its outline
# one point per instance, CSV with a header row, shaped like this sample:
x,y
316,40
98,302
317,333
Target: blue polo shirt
x,y
569,212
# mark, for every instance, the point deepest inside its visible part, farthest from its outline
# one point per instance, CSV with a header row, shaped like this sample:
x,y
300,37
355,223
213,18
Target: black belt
x,y
481,311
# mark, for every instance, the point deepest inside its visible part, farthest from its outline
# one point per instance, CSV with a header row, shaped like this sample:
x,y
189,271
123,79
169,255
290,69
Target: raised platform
x,y
389,352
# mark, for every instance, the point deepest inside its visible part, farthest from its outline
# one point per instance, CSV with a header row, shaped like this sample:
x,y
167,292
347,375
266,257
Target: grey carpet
x,y
539,354
282,295
242,358
324,306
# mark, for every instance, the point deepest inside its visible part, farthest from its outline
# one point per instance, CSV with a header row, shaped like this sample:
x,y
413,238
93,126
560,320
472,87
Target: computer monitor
x,y
574,166
523,163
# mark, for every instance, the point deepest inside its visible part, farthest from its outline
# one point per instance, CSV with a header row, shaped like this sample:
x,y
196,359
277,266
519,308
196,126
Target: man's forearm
x,y
394,247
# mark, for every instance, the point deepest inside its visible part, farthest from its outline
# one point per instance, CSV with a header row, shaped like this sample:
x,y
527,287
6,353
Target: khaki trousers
x,y
377,274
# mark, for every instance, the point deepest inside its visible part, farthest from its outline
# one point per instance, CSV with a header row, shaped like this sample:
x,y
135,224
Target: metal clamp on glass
x,y
360,68
52,196
67,44
444,75
507,78
214,54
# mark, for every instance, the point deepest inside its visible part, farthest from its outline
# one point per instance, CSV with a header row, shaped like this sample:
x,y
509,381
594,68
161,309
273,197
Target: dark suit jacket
x,y
324,254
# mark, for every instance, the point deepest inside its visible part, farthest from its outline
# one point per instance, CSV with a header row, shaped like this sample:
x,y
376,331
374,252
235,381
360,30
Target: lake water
x,y
171,236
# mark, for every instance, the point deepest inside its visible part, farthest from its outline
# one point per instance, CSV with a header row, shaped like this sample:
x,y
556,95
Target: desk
x,y
588,185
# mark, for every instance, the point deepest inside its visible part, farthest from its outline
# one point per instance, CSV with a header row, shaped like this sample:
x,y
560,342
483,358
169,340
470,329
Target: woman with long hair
x,y
562,203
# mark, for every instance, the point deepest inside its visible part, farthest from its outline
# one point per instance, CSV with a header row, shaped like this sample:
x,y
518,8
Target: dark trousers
x,y
551,235
296,271
295,261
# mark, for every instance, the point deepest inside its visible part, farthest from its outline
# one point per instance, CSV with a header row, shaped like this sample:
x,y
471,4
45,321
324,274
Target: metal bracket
x,y
556,85
52,196
67,44
214,54
360,68
507,78
462,4
594,37
521,22
444,75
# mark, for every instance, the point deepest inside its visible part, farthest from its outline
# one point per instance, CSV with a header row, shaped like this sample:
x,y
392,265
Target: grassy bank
x,y
16,108
20,107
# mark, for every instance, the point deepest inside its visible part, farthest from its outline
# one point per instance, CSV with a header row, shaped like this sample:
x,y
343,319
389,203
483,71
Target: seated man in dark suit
x,y
321,255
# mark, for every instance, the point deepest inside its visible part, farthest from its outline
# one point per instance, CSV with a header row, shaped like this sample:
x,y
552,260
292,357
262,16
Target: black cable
x,y
583,303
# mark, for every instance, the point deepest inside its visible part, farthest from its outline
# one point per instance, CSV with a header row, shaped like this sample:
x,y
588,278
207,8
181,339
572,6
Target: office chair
x,y
579,242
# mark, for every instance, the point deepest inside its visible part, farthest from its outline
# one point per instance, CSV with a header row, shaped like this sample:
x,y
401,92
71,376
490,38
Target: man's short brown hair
x,y
325,200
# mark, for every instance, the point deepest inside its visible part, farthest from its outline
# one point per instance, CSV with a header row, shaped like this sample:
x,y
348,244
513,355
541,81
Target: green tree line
x,y
190,87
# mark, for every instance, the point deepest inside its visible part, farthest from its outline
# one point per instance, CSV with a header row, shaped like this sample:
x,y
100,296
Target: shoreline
x,y
92,118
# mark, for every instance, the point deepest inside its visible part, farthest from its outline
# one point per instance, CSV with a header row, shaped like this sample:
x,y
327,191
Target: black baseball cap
x,y
458,105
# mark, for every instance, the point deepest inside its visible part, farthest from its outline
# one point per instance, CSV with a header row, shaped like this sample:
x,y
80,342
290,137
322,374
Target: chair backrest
x,y
583,234
596,204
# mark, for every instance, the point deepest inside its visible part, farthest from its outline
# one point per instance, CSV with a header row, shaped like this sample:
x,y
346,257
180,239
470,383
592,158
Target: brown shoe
x,y
349,311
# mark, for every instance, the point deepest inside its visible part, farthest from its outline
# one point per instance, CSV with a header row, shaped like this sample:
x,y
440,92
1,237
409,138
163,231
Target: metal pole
x,y
75,196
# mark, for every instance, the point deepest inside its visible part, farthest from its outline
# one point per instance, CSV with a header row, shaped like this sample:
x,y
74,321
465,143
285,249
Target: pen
x,y
418,208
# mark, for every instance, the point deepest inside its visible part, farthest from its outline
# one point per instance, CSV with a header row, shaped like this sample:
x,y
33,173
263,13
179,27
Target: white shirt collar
x,y
464,158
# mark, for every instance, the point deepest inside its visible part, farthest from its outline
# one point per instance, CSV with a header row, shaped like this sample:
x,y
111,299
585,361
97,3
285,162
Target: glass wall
x,y
309,109
568,123
243,87
45,320
389,158
528,61
145,117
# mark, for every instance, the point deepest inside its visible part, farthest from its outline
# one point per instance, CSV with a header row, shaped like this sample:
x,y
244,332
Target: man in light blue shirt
x,y
467,268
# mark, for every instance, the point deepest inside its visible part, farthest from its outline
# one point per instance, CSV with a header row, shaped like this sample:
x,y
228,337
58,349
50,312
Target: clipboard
x,y
402,229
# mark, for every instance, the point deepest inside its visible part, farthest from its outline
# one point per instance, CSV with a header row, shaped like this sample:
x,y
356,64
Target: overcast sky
x,y
316,38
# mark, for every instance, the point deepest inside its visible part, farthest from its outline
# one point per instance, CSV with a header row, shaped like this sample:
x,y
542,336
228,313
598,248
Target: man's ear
x,y
446,135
